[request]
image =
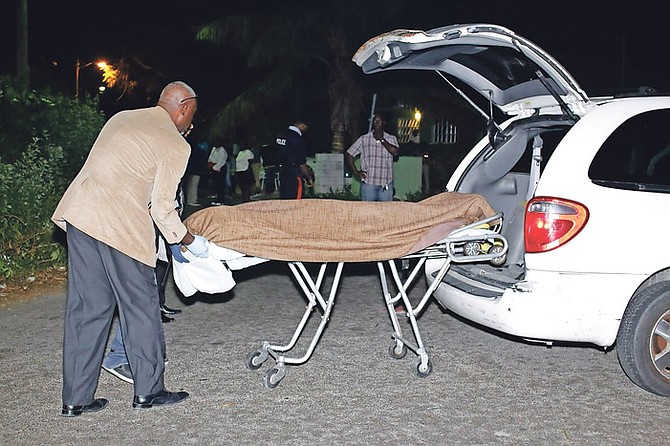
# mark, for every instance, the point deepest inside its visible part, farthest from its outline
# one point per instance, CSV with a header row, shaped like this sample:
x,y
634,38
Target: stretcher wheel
x,y
497,261
422,370
472,248
253,360
273,377
397,351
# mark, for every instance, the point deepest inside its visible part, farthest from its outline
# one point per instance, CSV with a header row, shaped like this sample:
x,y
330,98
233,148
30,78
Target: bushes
x,y
44,140
344,194
29,191
71,124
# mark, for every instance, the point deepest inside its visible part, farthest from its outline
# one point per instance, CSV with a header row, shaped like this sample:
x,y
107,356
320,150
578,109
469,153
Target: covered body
x,y
324,230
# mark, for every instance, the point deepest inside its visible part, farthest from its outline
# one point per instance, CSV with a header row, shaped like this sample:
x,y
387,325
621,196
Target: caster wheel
x,y
422,370
253,361
273,377
472,248
397,352
497,261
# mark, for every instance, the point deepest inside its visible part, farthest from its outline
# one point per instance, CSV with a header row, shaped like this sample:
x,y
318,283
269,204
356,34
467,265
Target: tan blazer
x,y
129,179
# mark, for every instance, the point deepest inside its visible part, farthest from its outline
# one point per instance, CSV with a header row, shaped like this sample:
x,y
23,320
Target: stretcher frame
x,y
450,249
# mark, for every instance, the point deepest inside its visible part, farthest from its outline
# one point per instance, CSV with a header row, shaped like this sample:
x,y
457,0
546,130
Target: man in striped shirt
x,y
377,150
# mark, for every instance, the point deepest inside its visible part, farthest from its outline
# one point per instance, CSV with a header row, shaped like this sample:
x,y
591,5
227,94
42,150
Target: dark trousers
x,y
270,175
162,267
161,279
220,184
100,278
290,185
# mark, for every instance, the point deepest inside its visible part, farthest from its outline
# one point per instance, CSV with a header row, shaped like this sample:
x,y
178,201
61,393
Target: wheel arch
x,y
662,275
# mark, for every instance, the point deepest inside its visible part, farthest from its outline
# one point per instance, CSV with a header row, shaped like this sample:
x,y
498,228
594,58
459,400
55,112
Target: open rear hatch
x,y
516,77
511,72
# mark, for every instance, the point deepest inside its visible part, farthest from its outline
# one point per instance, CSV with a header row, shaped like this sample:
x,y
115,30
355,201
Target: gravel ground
x,y
485,389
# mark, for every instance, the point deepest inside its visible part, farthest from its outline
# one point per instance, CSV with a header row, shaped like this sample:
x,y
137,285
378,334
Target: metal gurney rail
x,y
476,242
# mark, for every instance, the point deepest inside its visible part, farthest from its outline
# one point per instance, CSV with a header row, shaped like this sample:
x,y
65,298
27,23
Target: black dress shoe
x,y
161,398
165,319
167,310
73,411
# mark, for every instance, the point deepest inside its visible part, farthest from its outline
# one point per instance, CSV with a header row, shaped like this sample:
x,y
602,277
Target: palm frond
x,y
237,31
285,43
252,102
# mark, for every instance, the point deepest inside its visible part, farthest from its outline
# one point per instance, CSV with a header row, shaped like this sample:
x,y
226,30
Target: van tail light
x,y
552,222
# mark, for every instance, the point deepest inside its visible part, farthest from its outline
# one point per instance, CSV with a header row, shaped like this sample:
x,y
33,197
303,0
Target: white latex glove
x,y
199,247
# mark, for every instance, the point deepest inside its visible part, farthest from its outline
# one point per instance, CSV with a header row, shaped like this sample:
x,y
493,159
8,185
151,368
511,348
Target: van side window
x,y
636,156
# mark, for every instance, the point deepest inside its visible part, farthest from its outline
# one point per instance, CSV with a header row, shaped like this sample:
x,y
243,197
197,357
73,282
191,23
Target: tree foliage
x,y
288,51
71,124
44,140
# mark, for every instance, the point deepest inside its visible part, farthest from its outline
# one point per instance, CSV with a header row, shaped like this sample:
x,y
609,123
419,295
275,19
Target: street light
x,y
102,65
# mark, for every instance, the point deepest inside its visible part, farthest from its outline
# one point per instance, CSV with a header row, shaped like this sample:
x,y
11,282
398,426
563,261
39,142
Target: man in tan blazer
x,y
127,184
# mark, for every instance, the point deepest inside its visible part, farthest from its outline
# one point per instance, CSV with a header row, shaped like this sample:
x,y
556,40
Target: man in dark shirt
x,y
292,157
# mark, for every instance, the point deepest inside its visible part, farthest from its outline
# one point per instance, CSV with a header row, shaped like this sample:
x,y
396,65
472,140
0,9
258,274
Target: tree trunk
x,y
344,95
337,145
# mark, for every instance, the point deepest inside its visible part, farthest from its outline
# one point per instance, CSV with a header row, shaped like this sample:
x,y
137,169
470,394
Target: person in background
x,y
195,169
292,157
126,186
217,164
256,166
376,150
230,169
269,162
244,175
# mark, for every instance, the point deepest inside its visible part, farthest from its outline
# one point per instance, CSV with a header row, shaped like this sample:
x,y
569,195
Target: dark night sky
x,y
604,46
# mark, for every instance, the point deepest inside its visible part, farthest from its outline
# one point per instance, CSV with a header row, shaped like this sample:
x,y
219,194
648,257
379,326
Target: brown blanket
x,y
322,230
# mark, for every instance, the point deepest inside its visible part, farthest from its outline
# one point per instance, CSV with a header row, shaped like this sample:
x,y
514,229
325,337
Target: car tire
x,y
643,341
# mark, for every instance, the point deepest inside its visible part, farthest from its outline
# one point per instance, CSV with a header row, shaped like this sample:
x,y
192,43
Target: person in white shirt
x,y
217,164
244,175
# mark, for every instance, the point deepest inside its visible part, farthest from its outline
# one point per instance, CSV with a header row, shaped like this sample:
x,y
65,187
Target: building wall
x,y
329,174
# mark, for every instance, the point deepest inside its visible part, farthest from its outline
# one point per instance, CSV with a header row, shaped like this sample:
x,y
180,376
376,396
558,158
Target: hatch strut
x,y
464,96
556,96
492,128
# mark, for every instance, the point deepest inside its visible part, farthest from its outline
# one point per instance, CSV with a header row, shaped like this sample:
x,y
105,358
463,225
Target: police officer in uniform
x,y
293,161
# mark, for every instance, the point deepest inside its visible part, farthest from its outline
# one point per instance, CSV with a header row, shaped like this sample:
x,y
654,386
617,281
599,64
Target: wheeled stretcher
x,y
453,227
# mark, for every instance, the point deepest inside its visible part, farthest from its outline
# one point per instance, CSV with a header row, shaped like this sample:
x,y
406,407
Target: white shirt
x,y
242,160
219,156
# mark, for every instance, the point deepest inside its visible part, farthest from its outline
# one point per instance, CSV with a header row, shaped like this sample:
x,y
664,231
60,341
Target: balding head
x,y
175,92
180,101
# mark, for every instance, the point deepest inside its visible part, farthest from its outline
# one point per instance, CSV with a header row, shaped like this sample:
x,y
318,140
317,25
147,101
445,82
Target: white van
x,y
584,187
